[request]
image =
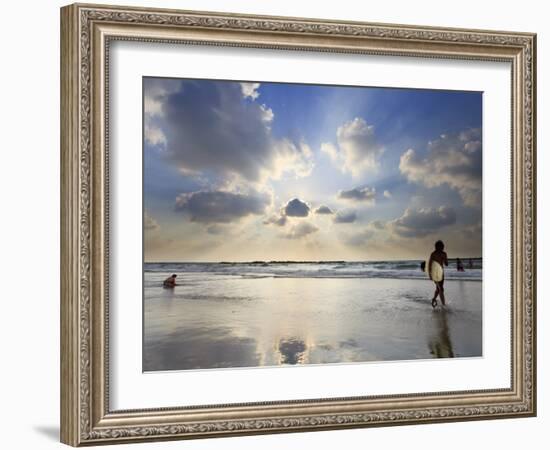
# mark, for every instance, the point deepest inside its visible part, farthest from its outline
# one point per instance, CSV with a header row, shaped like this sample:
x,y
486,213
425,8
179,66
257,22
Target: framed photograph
x,y
276,224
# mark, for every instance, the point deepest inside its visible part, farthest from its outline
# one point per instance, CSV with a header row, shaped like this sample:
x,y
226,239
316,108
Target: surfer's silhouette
x,y
440,257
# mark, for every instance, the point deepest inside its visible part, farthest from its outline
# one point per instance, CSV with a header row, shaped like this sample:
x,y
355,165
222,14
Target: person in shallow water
x,y
170,282
459,265
439,256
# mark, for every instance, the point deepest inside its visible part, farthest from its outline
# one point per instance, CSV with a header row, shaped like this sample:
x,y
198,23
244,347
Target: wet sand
x,y
227,321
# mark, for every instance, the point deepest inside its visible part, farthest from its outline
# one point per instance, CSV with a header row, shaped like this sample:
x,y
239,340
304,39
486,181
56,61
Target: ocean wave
x,y
409,269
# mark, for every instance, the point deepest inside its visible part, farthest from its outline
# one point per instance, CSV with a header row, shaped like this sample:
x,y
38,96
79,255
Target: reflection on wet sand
x,y
440,344
196,348
292,351
235,322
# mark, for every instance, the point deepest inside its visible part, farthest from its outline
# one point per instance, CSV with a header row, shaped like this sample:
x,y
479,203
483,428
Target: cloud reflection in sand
x,y
225,322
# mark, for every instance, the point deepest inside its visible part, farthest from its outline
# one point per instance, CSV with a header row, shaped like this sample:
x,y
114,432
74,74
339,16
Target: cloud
x,y
323,210
378,224
423,221
369,234
345,217
357,148
279,220
154,135
366,194
387,194
155,242
250,90
207,126
220,206
268,114
292,158
473,232
149,223
454,160
154,92
331,150
296,208
301,230
216,229
359,239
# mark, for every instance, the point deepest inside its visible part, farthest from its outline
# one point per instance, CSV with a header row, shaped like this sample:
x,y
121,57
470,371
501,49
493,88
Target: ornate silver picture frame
x,y
87,33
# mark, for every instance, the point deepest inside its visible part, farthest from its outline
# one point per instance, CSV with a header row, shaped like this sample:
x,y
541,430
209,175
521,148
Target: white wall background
x,y
29,225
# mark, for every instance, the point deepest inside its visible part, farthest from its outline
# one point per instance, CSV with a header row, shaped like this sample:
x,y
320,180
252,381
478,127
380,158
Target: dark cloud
x,y
296,208
345,217
323,210
220,206
301,230
423,221
217,127
364,194
454,160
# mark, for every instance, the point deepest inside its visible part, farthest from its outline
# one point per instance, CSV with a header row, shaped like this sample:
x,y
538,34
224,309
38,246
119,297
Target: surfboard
x,y
437,270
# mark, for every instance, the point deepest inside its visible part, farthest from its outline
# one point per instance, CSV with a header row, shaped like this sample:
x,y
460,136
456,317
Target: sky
x,y
247,171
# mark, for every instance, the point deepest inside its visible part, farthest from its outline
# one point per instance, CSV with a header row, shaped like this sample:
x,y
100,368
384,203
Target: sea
x,y
403,269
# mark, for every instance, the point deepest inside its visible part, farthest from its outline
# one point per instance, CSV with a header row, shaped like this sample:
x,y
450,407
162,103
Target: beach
x,y
253,316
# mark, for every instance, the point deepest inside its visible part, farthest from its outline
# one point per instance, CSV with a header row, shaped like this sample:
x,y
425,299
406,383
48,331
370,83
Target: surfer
x,y
459,265
170,282
438,257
